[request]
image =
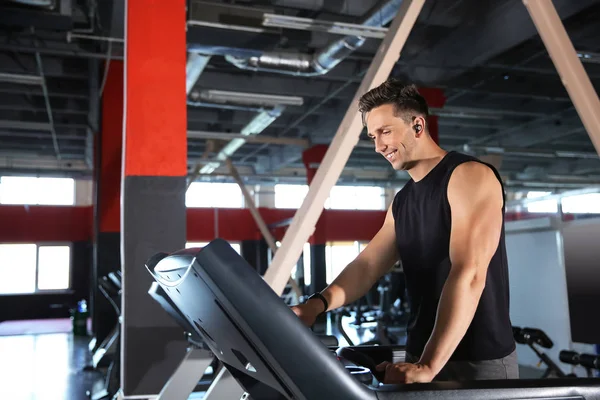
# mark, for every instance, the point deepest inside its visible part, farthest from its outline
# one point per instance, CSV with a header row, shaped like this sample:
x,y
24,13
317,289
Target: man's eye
x,y
386,132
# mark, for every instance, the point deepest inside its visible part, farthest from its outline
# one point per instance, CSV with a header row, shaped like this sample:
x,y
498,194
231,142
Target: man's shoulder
x,y
473,180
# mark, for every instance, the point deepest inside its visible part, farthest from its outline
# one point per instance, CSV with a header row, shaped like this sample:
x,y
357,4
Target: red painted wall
x,y
28,224
51,223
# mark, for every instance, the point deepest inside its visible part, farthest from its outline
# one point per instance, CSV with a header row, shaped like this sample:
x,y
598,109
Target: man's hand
x,y
405,373
309,311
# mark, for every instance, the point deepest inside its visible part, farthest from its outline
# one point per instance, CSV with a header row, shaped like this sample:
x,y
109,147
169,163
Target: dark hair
x,y
405,98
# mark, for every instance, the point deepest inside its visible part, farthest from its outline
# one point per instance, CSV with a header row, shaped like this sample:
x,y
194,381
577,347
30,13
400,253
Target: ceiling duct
x,y
322,62
193,69
258,124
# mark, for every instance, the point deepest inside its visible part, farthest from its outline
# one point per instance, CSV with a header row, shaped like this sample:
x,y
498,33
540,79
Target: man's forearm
x,y
351,284
456,309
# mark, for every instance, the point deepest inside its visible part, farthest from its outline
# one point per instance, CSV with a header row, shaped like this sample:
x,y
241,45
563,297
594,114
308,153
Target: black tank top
x,y
422,223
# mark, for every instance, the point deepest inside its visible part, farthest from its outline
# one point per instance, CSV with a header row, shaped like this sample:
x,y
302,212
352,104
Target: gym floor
x,y
45,367
52,365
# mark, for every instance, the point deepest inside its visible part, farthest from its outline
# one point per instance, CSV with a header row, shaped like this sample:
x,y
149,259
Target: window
x,y
340,197
290,196
356,198
32,268
588,203
542,206
213,194
338,255
306,264
53,267
37,191
190,245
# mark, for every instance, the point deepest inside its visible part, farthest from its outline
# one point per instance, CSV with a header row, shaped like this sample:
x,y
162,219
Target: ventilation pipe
x,y
321,62
193,69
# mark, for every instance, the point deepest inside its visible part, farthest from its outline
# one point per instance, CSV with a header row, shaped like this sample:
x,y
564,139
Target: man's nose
x,y
380,146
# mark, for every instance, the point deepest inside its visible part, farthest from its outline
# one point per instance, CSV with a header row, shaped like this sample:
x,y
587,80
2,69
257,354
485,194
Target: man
x,y
447,227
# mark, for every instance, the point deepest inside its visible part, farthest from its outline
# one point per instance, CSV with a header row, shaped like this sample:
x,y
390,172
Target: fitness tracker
x,y
320,297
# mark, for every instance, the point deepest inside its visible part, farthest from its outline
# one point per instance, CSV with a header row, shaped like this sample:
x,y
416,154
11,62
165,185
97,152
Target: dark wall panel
x,y
53,305
582,255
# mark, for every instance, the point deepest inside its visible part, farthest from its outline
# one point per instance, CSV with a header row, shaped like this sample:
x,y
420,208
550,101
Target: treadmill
x,y
273,355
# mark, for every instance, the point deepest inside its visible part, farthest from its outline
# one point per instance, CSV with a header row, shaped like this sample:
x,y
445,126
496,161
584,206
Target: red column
x,y
111,145
153,213
107,216
435,99
312,158
156,118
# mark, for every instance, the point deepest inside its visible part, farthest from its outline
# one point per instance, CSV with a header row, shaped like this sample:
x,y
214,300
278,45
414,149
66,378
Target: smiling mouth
x,y
390,155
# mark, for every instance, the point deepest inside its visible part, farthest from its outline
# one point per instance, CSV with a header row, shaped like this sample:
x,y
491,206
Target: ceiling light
x,y
21,78
589,57
221,96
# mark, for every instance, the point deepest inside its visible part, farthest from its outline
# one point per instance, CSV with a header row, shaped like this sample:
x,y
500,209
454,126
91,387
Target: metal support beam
x,y
262,226
340,149
568,64
28,126
38,59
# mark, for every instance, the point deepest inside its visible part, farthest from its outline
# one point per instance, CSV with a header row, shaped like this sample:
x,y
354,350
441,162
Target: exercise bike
x,y
590,362
533,337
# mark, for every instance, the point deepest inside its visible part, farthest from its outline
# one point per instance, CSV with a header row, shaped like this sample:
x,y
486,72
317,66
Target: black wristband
x,y
320,297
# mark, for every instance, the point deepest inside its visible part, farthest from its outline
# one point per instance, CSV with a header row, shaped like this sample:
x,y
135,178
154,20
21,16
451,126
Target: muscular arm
x,y
476,201
362,273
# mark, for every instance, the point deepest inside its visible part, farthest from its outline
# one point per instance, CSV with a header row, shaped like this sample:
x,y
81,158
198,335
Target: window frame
x,y
38,291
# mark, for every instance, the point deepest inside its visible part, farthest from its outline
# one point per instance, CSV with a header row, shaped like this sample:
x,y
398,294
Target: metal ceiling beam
x,y
31,109
484,37
33,126
532,153
38,135
72,51
21,79
250,139
346,137
518,128
563,55
53,94
37,126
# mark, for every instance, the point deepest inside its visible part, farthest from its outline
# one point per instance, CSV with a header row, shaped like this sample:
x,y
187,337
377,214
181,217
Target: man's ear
x,y
419,125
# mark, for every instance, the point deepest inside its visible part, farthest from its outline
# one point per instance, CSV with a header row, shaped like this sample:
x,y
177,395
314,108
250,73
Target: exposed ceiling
x,y
503,95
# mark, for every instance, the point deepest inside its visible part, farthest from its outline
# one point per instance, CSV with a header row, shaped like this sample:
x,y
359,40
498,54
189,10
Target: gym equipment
x,y
199,368
385,316
588,361
110,287
533,337
108,353
272,355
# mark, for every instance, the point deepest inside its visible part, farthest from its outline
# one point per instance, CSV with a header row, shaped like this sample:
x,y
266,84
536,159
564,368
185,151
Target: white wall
x,y
538,289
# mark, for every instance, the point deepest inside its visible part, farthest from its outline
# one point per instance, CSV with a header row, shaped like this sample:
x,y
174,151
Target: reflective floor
x,y
45,366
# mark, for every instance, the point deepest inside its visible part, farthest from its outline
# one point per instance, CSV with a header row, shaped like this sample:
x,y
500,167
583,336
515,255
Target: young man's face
x,y
393,137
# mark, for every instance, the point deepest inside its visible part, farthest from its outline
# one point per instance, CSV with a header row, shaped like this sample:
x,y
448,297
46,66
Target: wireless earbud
x,y
418,128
